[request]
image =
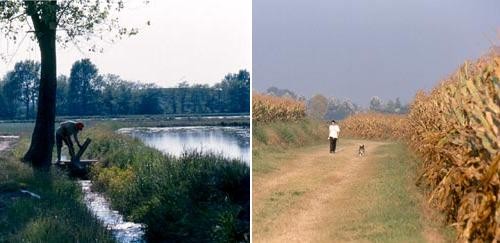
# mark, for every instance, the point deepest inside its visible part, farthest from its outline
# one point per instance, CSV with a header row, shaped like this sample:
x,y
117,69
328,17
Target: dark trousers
x,y
59,143
333,144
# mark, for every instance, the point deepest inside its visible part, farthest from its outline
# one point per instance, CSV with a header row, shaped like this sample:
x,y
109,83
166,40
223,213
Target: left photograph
x,y
125,121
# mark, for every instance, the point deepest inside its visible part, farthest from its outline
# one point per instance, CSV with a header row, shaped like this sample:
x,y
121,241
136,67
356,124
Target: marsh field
x,y
158,179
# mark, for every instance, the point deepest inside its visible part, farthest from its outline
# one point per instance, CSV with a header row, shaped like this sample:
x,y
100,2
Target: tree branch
x,y
17,16
32,12
63,11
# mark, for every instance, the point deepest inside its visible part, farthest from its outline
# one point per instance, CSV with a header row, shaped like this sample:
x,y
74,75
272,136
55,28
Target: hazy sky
x,y
195,40
361,48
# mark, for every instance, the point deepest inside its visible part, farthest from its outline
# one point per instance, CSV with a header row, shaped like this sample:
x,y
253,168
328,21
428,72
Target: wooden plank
x,y
81,161
84,147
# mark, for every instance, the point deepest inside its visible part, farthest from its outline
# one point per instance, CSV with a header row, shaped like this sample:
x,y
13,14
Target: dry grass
x,y
267,108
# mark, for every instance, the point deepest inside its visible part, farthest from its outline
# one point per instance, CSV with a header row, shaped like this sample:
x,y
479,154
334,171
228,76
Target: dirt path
x,y
312,196
4,145
6,142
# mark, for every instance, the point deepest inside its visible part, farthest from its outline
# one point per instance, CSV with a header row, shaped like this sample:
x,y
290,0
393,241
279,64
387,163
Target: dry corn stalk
x,y
267,108
375,126
455,129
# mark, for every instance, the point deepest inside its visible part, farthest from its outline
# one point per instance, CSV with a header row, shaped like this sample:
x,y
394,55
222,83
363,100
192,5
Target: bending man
x,y
63,133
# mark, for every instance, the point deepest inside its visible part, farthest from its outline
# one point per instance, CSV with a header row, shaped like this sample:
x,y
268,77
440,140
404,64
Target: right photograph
x,y
376,121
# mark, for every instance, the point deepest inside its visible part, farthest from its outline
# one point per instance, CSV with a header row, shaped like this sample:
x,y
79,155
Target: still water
x,y
231,142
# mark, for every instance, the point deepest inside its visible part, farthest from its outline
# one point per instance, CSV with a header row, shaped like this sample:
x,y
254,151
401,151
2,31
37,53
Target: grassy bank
x,y
58,216
274,138
195,198
282,135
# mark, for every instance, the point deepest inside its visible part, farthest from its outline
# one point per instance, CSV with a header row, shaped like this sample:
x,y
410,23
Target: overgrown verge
x,y
58,216
195,198
277,137
281,135
455,129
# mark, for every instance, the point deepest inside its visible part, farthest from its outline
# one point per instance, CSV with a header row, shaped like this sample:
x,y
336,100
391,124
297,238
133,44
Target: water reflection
x,y
232,142
123,231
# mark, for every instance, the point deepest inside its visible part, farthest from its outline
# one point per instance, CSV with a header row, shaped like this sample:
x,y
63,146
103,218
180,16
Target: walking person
x,y
334,130
64,133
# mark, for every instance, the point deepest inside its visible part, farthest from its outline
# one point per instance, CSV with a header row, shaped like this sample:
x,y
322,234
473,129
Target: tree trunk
x,y
27,104
42,140
32,106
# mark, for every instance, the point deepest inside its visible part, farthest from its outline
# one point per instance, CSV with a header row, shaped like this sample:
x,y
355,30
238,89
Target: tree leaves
x,y
76,21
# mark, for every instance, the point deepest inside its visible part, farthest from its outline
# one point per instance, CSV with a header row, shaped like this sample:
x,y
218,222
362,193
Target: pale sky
x,y
362,48
198,41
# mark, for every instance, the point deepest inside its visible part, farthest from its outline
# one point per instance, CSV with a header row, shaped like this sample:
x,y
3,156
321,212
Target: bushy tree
x,y
51,21
85,85
24,81
341,108
275,91
317,107
11,91
376,104
61,95
235,94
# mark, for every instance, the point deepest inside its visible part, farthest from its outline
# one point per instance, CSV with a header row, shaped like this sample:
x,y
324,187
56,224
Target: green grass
x,y
195,198
282,135
18,128
59,216
273,142
391,201
275,138
393,207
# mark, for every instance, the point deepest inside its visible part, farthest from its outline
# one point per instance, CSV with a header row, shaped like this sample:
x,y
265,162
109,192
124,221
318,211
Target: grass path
x,y
309,195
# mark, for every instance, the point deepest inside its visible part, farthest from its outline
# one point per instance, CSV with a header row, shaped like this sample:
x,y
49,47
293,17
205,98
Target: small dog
x,y
361,150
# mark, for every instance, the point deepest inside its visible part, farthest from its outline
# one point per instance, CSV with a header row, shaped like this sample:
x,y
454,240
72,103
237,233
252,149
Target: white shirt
x,y
334,131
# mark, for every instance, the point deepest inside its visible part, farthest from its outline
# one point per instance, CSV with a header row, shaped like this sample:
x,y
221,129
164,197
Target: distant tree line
x,y
323,108
85,92
390,106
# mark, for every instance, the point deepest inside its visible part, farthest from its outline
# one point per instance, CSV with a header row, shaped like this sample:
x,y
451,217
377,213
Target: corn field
x,y
455,129
267,108
375,126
